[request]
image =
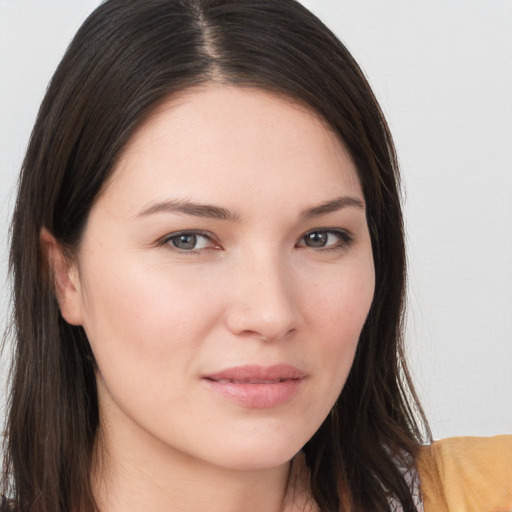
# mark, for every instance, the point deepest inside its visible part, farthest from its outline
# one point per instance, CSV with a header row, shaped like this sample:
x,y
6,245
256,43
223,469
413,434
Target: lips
x,y
250,381
257,387
275,373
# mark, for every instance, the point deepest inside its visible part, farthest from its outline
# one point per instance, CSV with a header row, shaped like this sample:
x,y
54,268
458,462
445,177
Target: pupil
x,y
316,239
185,241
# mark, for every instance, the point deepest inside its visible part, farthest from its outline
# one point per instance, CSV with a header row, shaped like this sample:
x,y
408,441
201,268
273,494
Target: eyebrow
x,y
190,208
219,213
333,206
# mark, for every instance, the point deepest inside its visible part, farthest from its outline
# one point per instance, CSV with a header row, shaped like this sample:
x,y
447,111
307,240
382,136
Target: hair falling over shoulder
x,y
125,60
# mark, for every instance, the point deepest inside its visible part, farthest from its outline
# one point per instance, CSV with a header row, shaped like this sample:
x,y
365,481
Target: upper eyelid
x,y
339,231
196,232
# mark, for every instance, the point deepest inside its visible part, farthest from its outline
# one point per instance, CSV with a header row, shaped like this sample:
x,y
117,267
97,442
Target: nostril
x,y
268,337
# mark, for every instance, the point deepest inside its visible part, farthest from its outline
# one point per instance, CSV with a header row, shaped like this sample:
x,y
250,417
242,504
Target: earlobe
x,y
64,274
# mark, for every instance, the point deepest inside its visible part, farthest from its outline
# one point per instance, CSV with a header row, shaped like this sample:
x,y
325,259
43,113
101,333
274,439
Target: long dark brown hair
x,y
127,58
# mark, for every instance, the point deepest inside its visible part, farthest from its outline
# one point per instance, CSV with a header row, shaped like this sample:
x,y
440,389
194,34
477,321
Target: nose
x,y
263,300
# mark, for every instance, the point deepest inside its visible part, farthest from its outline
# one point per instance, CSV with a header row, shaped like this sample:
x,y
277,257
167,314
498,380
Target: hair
x,y
126,59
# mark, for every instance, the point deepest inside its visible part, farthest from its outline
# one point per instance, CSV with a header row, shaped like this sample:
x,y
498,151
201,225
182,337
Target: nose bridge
x,y
263,301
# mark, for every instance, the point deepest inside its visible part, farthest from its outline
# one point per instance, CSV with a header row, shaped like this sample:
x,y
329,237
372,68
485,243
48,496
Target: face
x,y
224,277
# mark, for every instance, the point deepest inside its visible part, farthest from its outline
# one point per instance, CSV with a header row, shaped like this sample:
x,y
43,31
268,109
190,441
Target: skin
x,y
252,291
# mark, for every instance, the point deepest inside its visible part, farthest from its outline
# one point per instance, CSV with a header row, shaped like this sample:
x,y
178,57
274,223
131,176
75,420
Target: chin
x,y
256,460
256,454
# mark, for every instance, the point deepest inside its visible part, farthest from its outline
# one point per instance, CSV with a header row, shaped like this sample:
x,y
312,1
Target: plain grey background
x,y
442,71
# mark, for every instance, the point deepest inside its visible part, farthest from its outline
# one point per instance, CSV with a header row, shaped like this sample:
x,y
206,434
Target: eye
x,y
325,239
189,241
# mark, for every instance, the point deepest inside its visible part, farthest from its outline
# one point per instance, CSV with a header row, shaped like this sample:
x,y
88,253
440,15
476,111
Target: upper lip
x,y
257,374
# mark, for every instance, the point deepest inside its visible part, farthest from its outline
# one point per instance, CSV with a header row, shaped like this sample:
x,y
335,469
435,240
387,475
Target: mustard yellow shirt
x,y
460,474
467,474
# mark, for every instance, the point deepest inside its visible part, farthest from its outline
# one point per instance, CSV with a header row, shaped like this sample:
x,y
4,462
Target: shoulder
x,y
467,474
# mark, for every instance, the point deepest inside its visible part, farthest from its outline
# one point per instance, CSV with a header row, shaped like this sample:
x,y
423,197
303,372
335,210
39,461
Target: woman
x,y
208,266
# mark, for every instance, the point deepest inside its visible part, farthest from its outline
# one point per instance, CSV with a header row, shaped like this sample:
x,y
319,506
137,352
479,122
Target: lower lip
x,y
258,396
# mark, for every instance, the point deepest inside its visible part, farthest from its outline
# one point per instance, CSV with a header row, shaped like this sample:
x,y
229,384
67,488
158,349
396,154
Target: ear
x,y
65,278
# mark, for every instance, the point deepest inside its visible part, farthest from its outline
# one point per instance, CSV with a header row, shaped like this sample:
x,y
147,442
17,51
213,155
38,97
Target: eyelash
x,y
345,239
167,241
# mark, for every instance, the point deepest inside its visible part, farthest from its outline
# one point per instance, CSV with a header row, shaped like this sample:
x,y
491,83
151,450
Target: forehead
x,y
226,140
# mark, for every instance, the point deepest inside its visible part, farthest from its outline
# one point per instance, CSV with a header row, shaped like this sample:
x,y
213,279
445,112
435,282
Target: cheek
x,y
338,306
336,314
134,315
341,304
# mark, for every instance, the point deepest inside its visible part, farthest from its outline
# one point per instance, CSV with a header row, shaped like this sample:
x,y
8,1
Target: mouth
x,y
254,374
257,387
250,381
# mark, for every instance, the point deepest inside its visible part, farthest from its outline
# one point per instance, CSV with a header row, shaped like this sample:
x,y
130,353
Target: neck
x,y
132,476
